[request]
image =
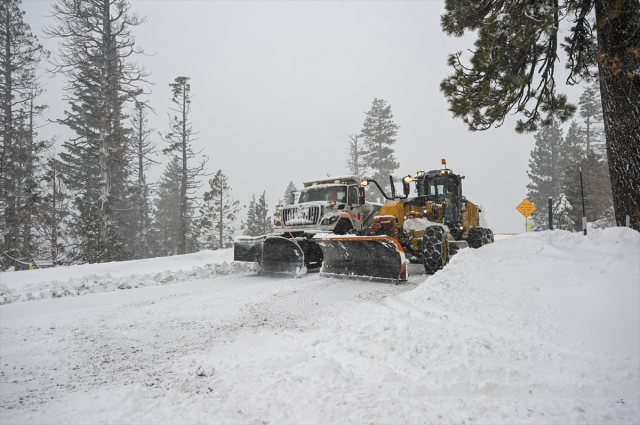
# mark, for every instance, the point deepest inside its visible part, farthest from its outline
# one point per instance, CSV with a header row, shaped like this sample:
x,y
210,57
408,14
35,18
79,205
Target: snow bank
x,y
489,339
538,328
105,277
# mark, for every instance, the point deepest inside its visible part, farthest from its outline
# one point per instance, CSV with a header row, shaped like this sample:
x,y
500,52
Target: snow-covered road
x,y
542,328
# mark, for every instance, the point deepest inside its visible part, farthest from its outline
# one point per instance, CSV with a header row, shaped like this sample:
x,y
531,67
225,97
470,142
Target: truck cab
x,y
331,205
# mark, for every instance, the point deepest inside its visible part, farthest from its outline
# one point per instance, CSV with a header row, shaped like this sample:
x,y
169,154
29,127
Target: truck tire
x,y
435,249
477,237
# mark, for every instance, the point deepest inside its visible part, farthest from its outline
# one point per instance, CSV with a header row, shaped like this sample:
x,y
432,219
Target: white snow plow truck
x,y
332,205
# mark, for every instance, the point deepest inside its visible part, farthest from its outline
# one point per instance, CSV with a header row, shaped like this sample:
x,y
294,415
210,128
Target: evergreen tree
x,y
180,140
356,157
591,113
288,194
166,224
20,56
218,214
252,222
512,68
263,222
51,225
142,148
379,132
546,167
96,43
562,214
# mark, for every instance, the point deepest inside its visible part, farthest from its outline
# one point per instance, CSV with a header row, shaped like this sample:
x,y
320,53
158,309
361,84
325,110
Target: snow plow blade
x,y
247,248
375,258
276,255
282,257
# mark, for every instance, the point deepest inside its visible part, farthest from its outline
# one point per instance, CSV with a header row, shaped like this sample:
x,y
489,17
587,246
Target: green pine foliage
x,y
512,69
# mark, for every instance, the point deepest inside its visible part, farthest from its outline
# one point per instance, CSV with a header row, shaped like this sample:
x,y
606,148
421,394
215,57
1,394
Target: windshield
x,y
324,194
435,187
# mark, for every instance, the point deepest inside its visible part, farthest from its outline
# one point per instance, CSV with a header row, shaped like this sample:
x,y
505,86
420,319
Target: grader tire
x,y
477,237
488,235
435,249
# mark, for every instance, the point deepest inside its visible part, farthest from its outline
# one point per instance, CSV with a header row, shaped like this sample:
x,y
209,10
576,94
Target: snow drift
x,y
72,281
538,328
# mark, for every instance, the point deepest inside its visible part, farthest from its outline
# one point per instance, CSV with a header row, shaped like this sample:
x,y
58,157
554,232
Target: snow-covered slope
x,y
537,328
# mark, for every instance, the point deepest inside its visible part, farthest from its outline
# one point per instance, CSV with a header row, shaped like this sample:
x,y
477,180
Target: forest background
x,y
270,108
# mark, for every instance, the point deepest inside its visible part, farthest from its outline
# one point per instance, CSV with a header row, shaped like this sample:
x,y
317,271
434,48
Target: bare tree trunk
x,y
620,91
182,248
105,131
11,222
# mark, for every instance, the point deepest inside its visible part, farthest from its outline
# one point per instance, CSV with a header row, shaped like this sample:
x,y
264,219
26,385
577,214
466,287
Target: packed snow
x,y
535,328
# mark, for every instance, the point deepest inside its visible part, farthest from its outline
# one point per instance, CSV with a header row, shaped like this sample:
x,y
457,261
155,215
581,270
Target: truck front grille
x,y
302,215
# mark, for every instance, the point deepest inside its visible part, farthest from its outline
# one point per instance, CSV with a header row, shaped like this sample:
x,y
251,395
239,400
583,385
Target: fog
x,y
278,86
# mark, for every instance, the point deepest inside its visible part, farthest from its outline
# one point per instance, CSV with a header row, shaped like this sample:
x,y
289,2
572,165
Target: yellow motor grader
x,y
427,228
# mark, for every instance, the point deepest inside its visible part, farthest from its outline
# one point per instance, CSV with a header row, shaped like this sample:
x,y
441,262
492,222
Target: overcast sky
x,y
278,86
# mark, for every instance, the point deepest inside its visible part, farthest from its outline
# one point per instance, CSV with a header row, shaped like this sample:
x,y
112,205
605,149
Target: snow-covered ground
x,y
535,328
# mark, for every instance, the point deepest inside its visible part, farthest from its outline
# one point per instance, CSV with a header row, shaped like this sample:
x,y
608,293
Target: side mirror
x,y
361,195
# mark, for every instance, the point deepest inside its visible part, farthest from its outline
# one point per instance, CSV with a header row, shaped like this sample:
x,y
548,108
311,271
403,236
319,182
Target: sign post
x,y
526,208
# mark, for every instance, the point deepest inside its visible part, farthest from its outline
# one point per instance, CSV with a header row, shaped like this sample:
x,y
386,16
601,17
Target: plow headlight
x,y
407,179
330,220
364,182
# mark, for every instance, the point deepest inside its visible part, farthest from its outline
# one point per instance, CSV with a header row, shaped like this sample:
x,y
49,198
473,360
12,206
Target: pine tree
x,y
591,113
379,132
562,214
218,214
166,224
512,68
96,43
51,225
356,157
263,222
180,140
287,198
252,221
142,148
546,167
20,56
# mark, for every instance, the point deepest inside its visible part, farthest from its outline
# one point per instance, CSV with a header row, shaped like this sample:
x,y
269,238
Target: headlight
x,y
407,179
364,182
329,220
277,223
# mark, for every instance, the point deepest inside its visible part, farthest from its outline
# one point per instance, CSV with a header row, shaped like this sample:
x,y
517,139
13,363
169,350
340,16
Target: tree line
x,y
554,171
92,201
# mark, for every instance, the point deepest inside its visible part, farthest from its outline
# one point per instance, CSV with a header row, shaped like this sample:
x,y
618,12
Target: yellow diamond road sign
x,y
526,208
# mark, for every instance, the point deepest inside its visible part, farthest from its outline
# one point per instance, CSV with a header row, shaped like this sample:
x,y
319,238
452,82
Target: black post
x,y
627,203
584,217
550,213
